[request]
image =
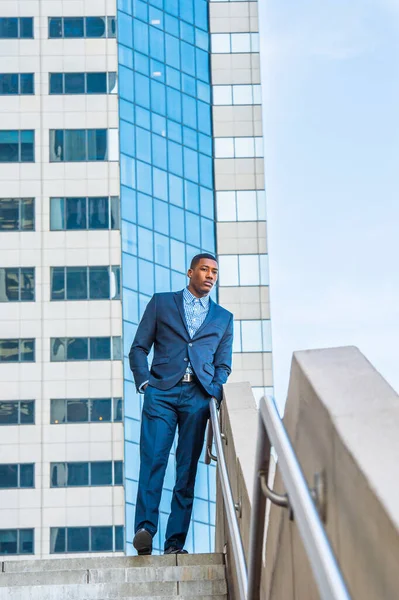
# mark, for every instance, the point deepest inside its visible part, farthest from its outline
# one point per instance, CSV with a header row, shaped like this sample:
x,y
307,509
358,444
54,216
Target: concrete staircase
x,y
184,576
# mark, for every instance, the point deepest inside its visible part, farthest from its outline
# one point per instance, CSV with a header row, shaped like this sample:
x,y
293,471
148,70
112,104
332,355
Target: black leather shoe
x,y
142,541
174,550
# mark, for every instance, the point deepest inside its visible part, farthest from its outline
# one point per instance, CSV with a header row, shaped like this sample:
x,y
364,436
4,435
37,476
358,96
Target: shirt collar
x,y
190,298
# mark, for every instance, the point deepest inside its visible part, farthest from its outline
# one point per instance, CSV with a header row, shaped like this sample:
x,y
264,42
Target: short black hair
x,y
195,260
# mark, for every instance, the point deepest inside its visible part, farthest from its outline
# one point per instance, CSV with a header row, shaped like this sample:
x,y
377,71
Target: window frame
x,y
19,28
90,534
114,272
20,161
20,341
20,212
90,483
18,486
108,75
19,403
107,25
20,274
18,531
65,341
114,400
65,134
19,92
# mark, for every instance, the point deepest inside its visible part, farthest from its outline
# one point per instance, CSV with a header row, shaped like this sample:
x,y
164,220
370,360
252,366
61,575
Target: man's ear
x,y
189,273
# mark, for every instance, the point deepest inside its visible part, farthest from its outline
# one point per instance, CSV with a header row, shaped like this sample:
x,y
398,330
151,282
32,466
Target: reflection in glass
x,y
77,411
58,475
76,283
9,413
100,410
8,541
78,539
95,27
100,348
57,411
26,476
78,473
26,541
101,539
57,540
9,350
8,476
77,348
101,473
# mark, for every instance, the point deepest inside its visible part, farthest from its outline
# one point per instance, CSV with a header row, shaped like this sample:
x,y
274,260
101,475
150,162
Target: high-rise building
x,y
91,227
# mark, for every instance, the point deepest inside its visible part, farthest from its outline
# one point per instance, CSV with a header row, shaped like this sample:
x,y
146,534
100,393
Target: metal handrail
x,y
271,432
236,543
325,569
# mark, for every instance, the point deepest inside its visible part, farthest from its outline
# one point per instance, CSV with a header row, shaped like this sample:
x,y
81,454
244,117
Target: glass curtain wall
x,y
167,200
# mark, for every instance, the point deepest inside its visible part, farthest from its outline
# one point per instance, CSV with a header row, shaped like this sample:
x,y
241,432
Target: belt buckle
x,y
187,377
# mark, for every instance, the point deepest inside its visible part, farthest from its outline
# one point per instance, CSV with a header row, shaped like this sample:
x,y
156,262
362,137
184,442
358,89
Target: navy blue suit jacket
x,y
164,326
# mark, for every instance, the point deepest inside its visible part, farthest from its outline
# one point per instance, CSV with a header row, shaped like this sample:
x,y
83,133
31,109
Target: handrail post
x,y
258,513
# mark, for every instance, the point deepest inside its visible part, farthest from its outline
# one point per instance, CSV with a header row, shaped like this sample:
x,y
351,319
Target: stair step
x,y
113,575
100,562
110,591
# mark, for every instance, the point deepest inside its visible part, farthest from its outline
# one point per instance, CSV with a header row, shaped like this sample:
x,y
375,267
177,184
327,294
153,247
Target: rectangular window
x,y
88,410
64,540
81,27
235,43
16,83
252,336
243,270
17,350
17,214
17,412
17,145
16,27
99,473
224,95
83,348
84,283
244,205
238,147
78,145
17,284
17,476
17,541
82,83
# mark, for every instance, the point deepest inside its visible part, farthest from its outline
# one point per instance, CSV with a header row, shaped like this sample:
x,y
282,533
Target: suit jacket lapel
x,y
179,302
208,318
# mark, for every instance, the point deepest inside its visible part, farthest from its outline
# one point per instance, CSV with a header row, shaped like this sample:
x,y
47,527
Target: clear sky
x,y
330,75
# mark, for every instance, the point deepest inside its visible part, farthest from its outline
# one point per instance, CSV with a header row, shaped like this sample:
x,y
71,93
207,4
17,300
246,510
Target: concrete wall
x,y
342,418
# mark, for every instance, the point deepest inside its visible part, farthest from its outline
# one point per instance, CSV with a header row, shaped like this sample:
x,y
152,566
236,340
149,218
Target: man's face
x,y
204,276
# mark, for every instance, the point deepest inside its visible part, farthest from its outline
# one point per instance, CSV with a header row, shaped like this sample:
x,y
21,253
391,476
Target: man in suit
x,y
192,338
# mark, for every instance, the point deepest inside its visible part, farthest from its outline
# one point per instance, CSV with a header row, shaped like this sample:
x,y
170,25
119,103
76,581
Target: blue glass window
x,y
175,157
140,10
140,34
17,476
172,49
202,62
173,78
191,196
85,283
174,104
188,58
17,541
17,284
175,190
159,151
84,213
191,164
17,145
142,87
177,255
177,229
158,97
79,348
78,145
157,44
81,27
161,217
146,278
143,144
187,10
14,27
17,412
193,229
99,473
17,350
205,171
188,84
144,177
92,410
144,210
17,214
82,83
161,247
160,184
16,83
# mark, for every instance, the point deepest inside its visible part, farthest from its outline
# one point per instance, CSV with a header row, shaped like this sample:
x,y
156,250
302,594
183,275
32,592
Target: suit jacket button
x,y
190,344
186,359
